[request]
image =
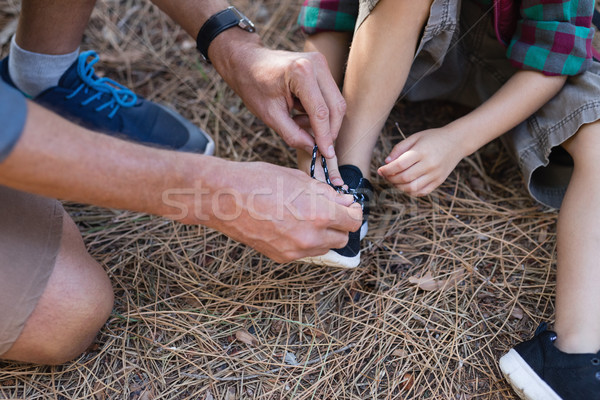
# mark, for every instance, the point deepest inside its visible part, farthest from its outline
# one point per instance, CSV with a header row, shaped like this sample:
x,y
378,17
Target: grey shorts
x,y
30,235
459,59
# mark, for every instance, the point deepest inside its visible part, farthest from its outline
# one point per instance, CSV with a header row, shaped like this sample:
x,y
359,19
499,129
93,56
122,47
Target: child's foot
x,y
537,370
106,106
349,256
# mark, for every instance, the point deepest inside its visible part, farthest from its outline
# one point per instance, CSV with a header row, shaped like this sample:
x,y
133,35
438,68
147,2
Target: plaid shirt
x,y
550,36
328,15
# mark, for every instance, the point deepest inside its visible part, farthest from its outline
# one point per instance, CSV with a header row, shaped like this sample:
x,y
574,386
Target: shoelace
x,y
358,197
120,96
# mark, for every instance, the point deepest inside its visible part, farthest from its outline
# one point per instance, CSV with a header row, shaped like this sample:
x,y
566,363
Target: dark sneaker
x,y
537,370
106,106
349,256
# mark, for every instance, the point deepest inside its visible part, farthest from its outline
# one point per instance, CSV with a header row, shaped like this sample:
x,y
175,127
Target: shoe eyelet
x,y
598,375
595,361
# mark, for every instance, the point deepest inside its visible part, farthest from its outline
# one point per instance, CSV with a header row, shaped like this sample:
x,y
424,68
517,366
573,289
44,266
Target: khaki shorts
x,y
459,59
30,235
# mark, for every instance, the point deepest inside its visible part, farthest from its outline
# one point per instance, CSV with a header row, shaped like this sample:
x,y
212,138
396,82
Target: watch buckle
x,y
243,22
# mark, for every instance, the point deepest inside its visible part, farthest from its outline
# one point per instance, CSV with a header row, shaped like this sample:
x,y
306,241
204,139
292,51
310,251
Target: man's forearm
x,y
56,158
192,14
520,97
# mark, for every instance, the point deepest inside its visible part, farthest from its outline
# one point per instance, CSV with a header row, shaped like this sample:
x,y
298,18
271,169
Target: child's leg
x,y
578,276
379,62
335,47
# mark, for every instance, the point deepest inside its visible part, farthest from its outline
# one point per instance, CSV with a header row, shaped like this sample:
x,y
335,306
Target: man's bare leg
x,y
75,304
53,26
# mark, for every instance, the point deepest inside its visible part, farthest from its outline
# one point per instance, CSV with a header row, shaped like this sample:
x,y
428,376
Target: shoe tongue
x,y
351,175
70,79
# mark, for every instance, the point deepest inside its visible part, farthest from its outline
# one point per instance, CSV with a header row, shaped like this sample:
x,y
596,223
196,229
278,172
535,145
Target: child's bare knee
x,y
584,146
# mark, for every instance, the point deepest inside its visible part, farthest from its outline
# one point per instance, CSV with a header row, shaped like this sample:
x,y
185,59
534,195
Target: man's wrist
x,y
218,23
188,190
232,47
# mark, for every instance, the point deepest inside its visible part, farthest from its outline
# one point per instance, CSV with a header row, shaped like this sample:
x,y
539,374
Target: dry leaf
x,y
399,353
231,394
407,382
245,337
99,391
277,326
313,332
428,283
517,313
477,183
290,358
147,394
543,235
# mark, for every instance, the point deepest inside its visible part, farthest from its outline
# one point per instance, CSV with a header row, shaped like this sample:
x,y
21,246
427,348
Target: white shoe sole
x,y
526,383
334,259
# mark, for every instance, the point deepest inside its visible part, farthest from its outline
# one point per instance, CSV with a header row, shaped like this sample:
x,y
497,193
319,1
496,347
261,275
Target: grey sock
x,y
33,73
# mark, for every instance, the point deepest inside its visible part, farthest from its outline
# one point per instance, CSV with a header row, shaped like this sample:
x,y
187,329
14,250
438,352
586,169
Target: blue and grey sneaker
x,y
103,105
537,370
362,190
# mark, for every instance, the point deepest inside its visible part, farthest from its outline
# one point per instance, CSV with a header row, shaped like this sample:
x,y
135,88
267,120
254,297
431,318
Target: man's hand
x,y
422,162
280,212
273,83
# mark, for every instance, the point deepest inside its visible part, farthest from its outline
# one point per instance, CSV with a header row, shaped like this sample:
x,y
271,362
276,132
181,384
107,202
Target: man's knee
x,y
75,304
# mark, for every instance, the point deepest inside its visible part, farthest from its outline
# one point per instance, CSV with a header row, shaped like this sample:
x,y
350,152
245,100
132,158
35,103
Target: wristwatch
x,y
218,23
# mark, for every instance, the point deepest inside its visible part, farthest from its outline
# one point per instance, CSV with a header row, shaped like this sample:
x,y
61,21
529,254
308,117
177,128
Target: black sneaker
x,y
349,256
537,370
103,105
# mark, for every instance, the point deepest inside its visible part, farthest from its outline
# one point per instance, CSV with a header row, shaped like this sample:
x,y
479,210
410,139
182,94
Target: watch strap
x,y
215,25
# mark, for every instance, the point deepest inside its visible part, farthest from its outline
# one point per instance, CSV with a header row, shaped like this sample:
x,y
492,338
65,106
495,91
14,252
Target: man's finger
x,y
334,173
305,86
292,133
333,98
340,198
336,239
347,219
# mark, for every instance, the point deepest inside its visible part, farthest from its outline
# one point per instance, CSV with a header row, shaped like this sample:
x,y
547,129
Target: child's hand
x,y
420,163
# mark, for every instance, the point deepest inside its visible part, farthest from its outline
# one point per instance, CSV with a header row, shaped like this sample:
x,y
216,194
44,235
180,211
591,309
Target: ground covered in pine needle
x,y
447,284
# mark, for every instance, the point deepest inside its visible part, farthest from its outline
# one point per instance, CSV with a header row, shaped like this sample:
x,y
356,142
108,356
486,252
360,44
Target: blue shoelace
x,y
358,197
120,96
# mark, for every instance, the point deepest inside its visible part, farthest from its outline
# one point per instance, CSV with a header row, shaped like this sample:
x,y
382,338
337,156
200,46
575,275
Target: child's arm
x,y
422,162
